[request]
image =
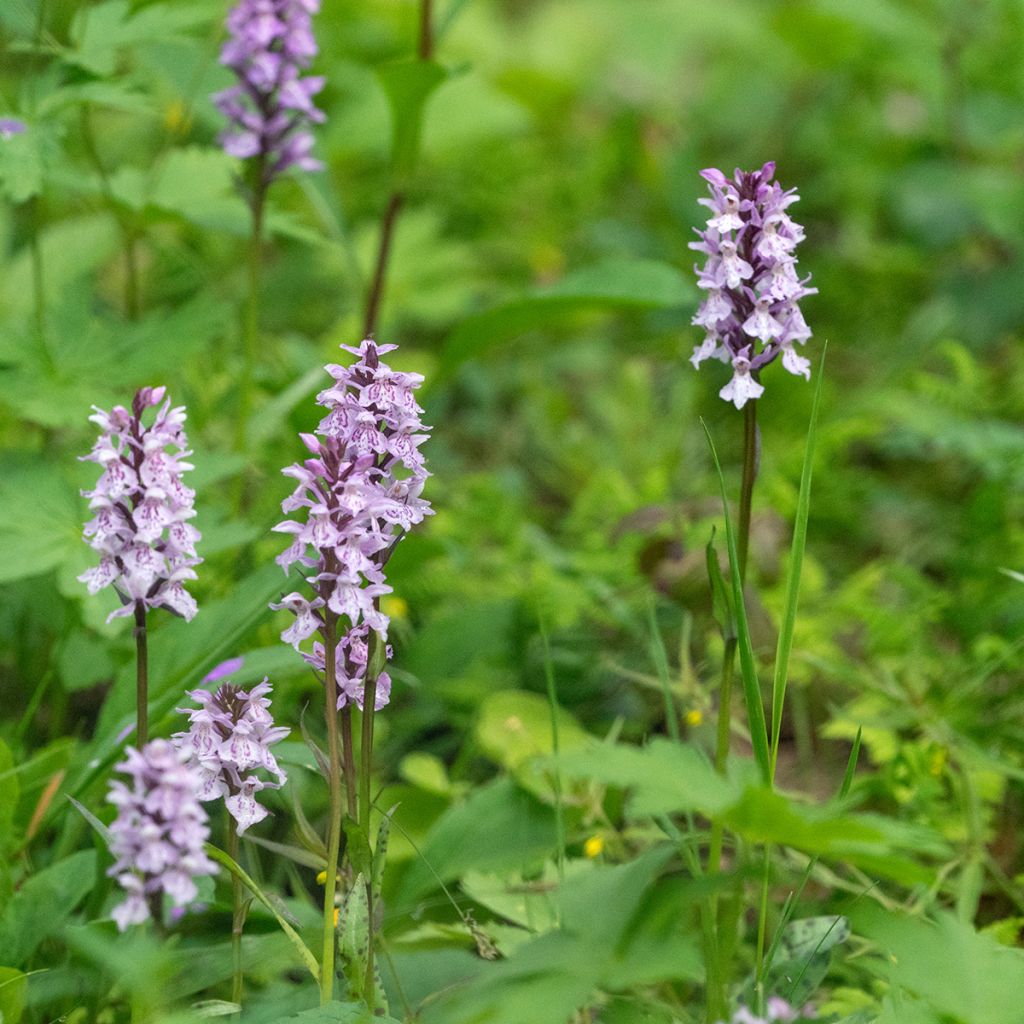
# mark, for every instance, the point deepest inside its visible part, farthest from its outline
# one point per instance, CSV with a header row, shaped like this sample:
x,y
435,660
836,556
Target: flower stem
x,y
330,637
349,758
751,460
375,294
141,677
237,923
366,759
751,463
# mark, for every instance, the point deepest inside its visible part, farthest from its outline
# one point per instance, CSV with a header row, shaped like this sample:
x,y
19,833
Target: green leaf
x,y
721,599
809,935
42,905
748,665
24,160
104,30
514,730
40,520
463,838
300,947
959,972
13,986
408,85
796,561
614,284
9,790
663,777
337,1013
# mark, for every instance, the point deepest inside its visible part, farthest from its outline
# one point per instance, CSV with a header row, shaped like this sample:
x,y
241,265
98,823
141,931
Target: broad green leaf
x,y
426,772
663,777
9,789
514,730
337,1013
959,972
40,520
619,928
612,285
463,839
104,30
408,86
25,160
42,905
13,986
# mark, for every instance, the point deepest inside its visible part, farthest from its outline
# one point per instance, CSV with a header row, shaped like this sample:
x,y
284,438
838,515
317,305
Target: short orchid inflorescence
x,y
361,490
228,740
751,310
271,108
158,835
141,528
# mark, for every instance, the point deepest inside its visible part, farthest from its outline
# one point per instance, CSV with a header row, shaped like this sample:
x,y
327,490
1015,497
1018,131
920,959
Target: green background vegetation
x,y
540,279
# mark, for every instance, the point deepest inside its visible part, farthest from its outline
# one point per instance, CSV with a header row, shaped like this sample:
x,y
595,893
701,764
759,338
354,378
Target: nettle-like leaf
x,y
26,159
668,778
103,32
619,927
958,972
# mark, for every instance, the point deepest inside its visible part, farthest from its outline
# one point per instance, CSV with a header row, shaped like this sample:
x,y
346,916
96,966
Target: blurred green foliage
x,y
540,278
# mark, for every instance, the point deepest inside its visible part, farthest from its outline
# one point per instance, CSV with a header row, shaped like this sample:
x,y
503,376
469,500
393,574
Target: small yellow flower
x,y
336,912
321,879
694,717
593,847
176,118
938,762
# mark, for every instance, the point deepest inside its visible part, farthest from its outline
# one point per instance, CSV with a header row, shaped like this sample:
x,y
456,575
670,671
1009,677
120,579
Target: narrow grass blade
x,y
748,667
851,765
301,948
796,561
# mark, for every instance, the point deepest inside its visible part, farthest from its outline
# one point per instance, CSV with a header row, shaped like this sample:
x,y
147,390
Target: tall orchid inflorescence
x,y
361,490
141,528
229,738
751,310
157,837
270,109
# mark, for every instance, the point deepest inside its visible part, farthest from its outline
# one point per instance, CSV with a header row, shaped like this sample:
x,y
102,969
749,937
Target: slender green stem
x,y
237,922
762,928
330,638
349,763
426,44
365,775
375,293
751,461
141,677
719,978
